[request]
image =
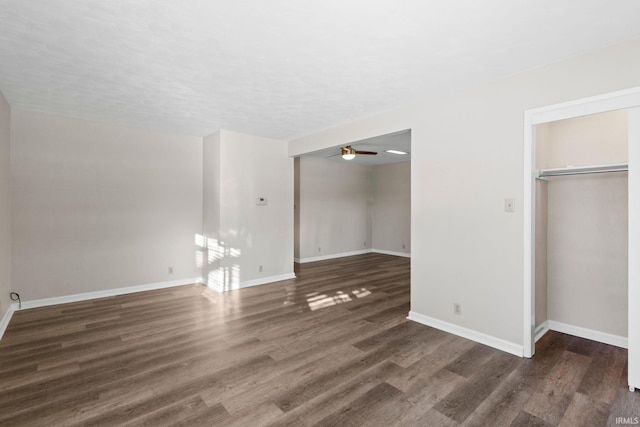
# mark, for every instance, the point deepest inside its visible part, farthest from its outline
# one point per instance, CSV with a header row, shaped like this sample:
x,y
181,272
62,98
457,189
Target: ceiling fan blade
x,y
369,153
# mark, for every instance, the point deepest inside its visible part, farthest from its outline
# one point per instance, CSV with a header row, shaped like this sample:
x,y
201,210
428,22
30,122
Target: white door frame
x,y
629,98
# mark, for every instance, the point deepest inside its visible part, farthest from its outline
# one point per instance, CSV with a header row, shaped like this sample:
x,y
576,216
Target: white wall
x,y
467,157
335,207
97,207
5,206
248,236
588,140
391,229
634,247
587,257
211,258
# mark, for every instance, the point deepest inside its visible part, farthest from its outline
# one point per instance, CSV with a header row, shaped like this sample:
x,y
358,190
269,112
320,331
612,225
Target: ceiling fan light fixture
x,y
348,153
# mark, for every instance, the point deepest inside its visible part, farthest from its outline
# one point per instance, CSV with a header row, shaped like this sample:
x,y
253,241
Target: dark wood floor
x,y
331,347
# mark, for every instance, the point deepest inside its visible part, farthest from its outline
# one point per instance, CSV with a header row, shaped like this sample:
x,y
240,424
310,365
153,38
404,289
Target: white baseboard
x,y
352,253
332,256
542,329
7,318
250,283
107,293
589,334
500,344
394,253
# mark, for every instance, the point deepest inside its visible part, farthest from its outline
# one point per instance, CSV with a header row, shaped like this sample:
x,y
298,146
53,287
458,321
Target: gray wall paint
x,y
587,252
5,206
542,195
392,207
541,271
98,207
342,205
335,207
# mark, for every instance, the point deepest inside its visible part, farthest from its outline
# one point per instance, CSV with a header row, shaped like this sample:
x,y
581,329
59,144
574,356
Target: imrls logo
x,y
627,420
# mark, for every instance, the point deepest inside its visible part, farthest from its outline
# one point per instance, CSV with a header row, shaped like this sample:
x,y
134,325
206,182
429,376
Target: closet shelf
x,y
579,170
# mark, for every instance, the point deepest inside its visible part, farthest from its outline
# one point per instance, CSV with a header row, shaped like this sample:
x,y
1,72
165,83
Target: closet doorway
x,y
579,186
581,257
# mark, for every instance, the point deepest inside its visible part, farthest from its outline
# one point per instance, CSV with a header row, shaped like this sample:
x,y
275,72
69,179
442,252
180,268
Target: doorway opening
x,y
354,206
350,207
630,100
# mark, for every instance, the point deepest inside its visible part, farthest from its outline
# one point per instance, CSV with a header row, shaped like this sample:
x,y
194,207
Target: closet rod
x,y
579,170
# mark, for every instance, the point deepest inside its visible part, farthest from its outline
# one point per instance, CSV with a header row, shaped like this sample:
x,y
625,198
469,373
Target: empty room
x,y
330,213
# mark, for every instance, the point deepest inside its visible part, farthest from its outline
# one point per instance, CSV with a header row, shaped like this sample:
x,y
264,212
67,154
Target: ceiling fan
x,y
349,153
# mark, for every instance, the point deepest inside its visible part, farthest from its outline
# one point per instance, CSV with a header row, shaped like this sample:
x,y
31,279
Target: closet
x,y
581,224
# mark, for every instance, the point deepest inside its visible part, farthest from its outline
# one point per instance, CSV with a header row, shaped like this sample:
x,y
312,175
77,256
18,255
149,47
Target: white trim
x,y
542,329
583,107
107,293
352,253
579,170
628,98
589,334
470,334
254,282
7,318
528,213
265,280
394,253
333,256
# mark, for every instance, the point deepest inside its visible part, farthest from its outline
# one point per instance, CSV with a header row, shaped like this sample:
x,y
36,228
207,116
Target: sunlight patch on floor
x,y
316,301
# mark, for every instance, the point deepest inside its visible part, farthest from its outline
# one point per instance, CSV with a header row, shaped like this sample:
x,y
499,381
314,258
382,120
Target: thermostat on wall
x,y
261,201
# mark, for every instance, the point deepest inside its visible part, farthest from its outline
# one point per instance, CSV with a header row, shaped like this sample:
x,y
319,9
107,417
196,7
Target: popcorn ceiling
x,y
279,69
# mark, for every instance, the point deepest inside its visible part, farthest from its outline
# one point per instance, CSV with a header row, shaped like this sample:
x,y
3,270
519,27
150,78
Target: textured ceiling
x,y
280,68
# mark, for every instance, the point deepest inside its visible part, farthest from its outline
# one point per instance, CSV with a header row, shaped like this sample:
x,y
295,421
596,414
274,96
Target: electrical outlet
x,y
319,249
457,309
170,270
260,268
509,205
364,244
403,246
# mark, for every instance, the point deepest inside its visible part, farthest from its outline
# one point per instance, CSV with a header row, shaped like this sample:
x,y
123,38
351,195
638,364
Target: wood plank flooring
x,y
329,348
